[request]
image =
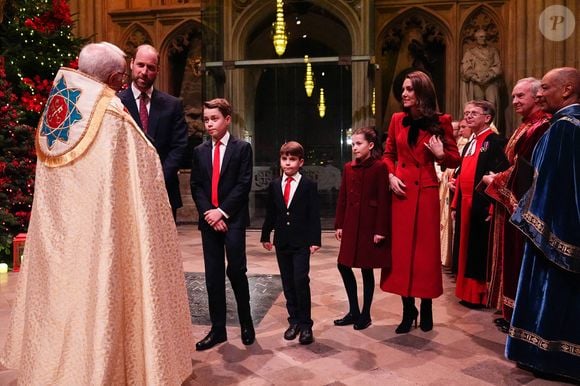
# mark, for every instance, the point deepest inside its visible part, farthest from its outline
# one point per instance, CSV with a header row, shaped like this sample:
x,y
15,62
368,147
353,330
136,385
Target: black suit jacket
x,y
234,185
168,132
297,225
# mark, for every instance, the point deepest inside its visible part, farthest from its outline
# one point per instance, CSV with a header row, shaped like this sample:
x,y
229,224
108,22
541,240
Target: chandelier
x,y
309,77
373,102
279,38
322,104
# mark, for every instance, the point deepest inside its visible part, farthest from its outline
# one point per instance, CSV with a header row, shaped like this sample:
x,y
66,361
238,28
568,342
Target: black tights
x,y
351,290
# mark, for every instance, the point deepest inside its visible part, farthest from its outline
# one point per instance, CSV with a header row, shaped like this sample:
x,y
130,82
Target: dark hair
x,y
427,108
292,148
371,136
221,104
487,107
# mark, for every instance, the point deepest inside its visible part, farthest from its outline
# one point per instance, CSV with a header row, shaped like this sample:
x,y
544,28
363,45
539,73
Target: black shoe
x,y
292,332
426,315
346,320
211,340
410,314
500,321
248,335
306,336
362,322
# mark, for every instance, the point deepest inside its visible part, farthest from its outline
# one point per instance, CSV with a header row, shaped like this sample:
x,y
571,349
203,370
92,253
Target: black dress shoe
x,y
292,332
211,340
362,323
248,335
346,320
306,336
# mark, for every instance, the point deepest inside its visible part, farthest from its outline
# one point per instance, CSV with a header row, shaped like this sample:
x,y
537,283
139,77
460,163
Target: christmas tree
x,y
36,39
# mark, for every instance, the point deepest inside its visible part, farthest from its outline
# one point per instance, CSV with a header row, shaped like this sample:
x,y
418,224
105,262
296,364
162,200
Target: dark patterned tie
x,y
143,114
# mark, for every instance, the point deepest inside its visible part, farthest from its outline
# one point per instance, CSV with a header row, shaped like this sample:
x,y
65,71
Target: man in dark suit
x,y
221,179
293,211
160,116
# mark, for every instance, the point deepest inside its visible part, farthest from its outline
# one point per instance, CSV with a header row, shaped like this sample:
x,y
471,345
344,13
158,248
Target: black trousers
x,y
230,245
294,267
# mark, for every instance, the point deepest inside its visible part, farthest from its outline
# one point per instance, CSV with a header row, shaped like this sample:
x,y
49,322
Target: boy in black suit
x,y
221,179
293,212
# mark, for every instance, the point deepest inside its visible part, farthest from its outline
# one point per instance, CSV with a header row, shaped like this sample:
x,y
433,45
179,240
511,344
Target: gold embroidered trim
x,y
561,246
544,344
86,138
508,302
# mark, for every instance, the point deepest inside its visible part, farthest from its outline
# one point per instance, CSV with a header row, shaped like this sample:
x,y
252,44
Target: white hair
x,y
533,82
100,60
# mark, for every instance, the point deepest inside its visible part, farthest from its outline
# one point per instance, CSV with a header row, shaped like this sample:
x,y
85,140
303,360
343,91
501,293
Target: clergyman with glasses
x,y
482,155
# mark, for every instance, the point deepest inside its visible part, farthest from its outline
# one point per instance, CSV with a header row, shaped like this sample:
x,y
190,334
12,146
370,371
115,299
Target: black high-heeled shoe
x,y
410,314
426,315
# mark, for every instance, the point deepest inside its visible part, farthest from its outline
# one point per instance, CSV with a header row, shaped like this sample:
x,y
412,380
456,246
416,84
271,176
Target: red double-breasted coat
x,y
416,250
362,211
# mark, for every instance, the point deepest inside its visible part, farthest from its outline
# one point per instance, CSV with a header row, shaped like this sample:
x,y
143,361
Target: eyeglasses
x,y
124,76
472,114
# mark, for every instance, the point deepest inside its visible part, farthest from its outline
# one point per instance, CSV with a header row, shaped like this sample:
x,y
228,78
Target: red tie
x,y
143,114
215,174
287,190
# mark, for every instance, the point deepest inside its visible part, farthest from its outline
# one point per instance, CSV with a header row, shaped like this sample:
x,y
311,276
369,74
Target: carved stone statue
x,y
480,70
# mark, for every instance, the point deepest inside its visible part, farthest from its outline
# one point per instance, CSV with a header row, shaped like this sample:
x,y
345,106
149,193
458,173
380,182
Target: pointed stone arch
x,y
135,35
414,39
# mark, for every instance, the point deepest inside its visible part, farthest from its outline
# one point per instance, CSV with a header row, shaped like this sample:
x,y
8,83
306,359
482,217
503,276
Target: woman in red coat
x,y
417,138
361,224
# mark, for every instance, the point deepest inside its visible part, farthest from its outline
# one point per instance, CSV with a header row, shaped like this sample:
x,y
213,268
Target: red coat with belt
x,y
416,251
362,211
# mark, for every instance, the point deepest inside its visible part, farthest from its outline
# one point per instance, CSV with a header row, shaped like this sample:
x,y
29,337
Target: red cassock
x,y
362,211
416,251
506,241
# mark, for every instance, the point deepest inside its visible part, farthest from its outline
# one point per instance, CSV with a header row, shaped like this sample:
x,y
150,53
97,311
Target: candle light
x,y
3,268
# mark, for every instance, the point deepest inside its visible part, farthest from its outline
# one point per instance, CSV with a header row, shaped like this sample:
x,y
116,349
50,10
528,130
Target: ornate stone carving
x,y
136,38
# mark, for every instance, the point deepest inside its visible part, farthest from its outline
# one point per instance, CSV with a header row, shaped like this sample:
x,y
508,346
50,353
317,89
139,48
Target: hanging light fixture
x,y
373,102
322,104
279,38
309,77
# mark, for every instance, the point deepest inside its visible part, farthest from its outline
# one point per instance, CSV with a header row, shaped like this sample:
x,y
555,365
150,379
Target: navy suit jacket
x,y
168,133
299,224
234,185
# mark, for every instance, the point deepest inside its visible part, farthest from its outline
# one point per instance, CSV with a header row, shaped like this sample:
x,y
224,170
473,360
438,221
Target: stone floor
x,y
464,347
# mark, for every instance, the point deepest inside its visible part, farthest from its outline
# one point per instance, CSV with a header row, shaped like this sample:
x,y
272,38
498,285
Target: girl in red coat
x,y
361,224
417,138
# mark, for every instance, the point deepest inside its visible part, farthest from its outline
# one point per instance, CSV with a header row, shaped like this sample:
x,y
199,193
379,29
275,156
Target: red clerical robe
x,y
416,256
484,154
506,242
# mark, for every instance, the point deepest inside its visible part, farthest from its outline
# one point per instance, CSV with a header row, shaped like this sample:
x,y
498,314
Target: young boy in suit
x,y
221,179
293,211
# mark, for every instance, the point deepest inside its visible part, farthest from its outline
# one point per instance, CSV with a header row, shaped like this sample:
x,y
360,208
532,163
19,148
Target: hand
x,y
314,248
378,238
488,178
338,234
397,186
267,246
212,216
435,146
451,184
220,226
